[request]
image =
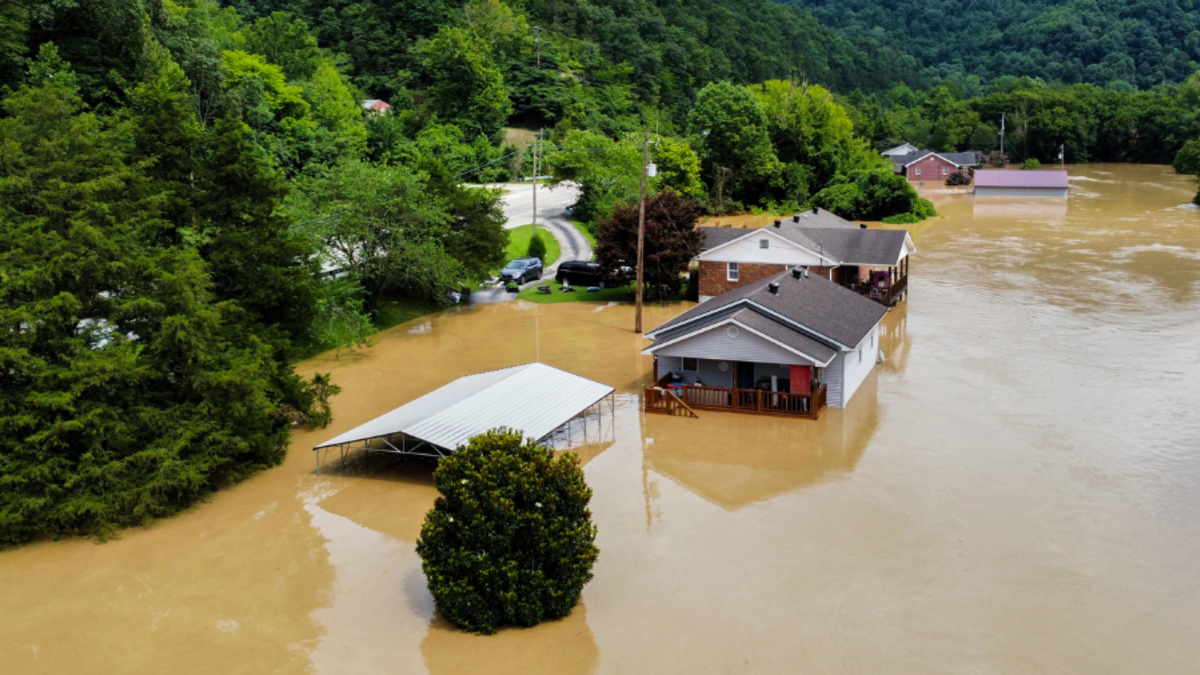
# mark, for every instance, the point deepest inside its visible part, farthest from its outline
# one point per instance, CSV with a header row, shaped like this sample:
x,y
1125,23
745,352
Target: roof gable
x,y
809,304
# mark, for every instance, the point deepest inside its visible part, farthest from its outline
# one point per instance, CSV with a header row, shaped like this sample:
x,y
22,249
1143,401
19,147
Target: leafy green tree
x,y
255,257
379,224
510,539
127,391
734,132
678,168
1187,160
1031,164
873,195
608,172
671,239
286,42
465,86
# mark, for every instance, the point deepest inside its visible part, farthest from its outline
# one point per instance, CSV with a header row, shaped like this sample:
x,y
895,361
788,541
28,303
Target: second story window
x,y
731,271
764,243
918,171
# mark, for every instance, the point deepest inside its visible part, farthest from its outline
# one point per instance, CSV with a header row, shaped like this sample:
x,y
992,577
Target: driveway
x,y
518,209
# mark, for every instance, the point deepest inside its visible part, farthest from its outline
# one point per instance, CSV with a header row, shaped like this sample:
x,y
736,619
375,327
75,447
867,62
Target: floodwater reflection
x,y
734,460
563,647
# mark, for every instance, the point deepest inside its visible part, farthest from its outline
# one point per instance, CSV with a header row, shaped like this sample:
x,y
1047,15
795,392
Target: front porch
x,y
886,285
755,388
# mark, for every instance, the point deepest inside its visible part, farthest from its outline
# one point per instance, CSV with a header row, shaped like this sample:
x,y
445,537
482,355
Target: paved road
x,y
518,209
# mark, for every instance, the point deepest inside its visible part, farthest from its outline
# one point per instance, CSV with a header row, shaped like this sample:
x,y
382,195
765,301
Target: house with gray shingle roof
x,y
871,261
790,344
926,165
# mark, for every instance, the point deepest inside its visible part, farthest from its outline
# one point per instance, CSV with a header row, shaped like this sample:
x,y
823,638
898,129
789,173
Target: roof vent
x,y
795,219
805,272
797,272
773,288
814,209
863,226
778,223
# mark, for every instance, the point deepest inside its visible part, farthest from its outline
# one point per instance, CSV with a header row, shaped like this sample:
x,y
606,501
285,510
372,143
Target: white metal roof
x,y
534,398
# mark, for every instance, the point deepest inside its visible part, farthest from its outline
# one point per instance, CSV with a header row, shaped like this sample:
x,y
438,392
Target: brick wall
x,y
714,282
931,170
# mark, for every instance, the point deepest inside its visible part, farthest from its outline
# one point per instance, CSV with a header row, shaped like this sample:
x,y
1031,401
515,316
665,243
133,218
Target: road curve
x,y
518,209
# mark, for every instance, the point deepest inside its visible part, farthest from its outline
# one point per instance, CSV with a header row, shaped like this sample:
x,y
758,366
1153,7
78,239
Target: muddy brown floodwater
x,y
1016,490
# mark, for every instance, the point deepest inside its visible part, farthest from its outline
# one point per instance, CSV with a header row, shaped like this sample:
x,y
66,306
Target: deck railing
x,y
755,401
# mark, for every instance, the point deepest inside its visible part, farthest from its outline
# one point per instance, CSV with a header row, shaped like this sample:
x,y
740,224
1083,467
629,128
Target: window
x,y
918,171
731,271
945,171
764,243
872,338
860,353
691,365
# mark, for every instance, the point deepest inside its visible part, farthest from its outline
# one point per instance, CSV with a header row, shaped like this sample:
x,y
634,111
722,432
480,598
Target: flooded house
x,y
919,165
1010,183
792,344
870,262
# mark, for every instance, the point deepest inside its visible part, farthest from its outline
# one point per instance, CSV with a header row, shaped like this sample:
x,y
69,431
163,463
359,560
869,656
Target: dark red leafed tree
x,y
671,240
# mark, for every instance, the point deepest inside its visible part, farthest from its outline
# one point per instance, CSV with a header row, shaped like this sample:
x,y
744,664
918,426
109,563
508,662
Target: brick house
x,y
873,262
925,165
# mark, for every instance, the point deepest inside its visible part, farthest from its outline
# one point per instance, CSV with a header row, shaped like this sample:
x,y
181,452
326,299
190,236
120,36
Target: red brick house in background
x,y
927,165
873,262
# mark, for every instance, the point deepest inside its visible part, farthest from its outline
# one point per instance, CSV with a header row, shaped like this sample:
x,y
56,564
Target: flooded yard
x,y
1017,489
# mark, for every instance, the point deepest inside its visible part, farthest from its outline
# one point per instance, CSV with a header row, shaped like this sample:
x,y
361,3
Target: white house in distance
x,y
869,261
789,345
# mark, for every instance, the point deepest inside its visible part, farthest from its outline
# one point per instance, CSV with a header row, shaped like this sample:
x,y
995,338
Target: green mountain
x,y
1113,43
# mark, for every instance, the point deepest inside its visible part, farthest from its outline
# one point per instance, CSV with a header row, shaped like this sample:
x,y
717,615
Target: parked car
x,y
522,270
580,273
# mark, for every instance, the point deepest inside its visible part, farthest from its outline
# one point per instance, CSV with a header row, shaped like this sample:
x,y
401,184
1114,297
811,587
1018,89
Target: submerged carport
x,y
534,398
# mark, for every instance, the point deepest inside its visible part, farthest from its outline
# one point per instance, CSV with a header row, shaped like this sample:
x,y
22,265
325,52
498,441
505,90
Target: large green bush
x,y
1187,160
537,247
510,540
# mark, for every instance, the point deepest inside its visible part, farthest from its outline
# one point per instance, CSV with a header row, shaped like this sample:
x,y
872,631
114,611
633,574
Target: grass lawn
x,y
518,243
621,294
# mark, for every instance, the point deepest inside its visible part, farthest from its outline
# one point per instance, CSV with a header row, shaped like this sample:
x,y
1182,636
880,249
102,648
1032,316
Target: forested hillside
x,y
1112,43
596,57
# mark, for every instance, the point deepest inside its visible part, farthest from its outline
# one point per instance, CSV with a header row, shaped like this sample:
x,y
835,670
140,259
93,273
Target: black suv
x,y
522,270
580,273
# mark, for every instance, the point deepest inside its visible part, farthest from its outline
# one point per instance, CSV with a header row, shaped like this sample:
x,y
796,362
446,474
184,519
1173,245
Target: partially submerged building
x,y
1019,183
871,262
926,165
791,344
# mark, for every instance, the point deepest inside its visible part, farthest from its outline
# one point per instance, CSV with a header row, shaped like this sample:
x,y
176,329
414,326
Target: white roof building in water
x,y
535,399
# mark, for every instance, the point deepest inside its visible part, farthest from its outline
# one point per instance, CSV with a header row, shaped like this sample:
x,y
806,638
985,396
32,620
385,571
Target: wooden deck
x,y
687,399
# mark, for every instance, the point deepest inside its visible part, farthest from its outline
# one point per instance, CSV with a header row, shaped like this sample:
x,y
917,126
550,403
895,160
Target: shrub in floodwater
x,y
510,540
1031,164
958,178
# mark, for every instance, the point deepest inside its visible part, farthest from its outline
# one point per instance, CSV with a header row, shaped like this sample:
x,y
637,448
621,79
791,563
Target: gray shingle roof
x,y
811,304
959,158
858,246
755,320
715,236
826,234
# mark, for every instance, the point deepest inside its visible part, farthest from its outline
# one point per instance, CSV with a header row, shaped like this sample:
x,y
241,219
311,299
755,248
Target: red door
x,y
801,379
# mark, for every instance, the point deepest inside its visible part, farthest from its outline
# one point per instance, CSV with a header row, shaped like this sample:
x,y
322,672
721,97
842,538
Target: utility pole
x,y
637,321
1002,136
1062,150
537,142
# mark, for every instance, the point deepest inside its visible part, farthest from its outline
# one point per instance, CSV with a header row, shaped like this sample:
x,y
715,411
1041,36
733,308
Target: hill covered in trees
x,y
1112,43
